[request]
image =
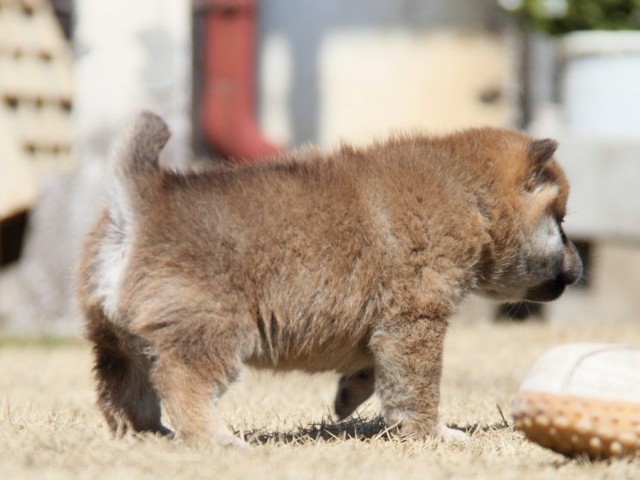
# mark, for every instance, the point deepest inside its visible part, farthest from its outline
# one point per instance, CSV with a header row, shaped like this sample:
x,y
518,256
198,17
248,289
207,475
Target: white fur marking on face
x,y
542,256
547,240
545,192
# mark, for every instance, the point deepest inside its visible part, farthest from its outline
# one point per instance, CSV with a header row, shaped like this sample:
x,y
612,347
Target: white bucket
x,y
601,83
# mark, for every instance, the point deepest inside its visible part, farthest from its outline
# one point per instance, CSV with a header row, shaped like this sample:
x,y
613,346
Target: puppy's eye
x,y
562,234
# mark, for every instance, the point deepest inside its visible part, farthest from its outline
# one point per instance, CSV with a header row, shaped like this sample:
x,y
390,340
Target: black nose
x,y
571,267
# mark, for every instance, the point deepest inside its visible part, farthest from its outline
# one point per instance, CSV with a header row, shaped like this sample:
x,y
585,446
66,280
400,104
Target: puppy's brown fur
x,y
351,262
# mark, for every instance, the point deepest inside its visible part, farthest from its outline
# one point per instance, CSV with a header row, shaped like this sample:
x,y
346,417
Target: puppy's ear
x,y
540,152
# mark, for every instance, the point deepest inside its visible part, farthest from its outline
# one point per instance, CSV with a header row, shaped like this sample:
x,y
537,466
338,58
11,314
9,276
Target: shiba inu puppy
x,y
351,261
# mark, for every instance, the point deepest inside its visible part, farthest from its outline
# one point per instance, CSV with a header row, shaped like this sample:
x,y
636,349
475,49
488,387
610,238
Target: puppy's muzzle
x,y
570,273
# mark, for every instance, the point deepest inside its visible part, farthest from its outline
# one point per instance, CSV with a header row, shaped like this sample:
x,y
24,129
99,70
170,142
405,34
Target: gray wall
x,y
304,23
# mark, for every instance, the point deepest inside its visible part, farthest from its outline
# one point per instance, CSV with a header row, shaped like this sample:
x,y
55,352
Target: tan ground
x,y
50,429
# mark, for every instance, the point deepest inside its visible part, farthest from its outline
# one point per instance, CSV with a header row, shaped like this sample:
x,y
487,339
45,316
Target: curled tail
x,y
135,160
134,164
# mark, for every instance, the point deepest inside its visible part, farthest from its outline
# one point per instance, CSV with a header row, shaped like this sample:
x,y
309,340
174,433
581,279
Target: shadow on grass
x,y
355,428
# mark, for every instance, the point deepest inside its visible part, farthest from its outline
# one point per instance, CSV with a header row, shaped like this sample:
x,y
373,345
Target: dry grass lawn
x,y
50,428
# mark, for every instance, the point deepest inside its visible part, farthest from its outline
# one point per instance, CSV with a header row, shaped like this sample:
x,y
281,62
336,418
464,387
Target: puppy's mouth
x,y
547,291
552,289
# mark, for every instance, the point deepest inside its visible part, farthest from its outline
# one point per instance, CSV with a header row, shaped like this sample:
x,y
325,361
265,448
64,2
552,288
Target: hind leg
x,y
197,355
190,397
125,394
353,390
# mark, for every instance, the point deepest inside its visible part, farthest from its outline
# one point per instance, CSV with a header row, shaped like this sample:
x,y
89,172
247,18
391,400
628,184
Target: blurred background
x,y
246,78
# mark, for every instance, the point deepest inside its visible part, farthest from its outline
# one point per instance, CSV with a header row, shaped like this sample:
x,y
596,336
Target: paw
x,y
223,439
408,427
228,440
448,435
165,432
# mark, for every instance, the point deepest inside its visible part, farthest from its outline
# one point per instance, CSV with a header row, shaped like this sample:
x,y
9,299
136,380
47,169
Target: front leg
x,y
408,366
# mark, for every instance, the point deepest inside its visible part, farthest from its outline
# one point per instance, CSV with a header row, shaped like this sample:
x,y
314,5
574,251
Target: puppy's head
x,y
534,260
